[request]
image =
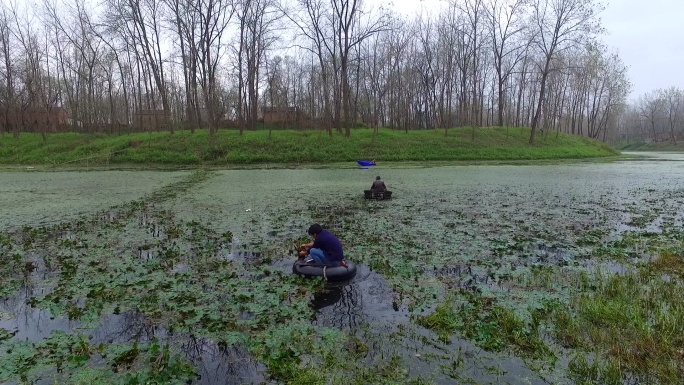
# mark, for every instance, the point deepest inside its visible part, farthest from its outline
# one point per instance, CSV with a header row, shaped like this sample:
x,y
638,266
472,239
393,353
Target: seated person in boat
x,y
325,249
378,185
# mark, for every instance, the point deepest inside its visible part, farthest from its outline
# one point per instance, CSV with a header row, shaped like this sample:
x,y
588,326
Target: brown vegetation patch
x,y
669,263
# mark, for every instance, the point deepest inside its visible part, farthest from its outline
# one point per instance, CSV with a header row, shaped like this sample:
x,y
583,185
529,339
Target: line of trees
x,y
656,116
209,63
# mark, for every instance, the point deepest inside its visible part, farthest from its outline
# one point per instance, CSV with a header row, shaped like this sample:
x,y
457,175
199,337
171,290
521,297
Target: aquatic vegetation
x,y
477,278
68,354
643,310
595,371
491,326
169,271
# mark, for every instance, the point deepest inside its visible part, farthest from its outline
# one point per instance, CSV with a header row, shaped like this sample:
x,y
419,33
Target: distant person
x,y
378,185
325,249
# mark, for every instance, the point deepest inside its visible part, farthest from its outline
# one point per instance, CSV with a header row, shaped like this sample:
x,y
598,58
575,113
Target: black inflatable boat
x,y
329,273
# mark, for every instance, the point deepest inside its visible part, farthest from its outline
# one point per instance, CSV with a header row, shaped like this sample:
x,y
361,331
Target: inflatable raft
x,y
380,195
329,273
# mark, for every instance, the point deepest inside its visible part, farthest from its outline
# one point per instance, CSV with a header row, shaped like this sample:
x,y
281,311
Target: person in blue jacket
x,y
325,249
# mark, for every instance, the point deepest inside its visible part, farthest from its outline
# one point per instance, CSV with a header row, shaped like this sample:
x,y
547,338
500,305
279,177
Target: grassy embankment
x,y
255,147
651,146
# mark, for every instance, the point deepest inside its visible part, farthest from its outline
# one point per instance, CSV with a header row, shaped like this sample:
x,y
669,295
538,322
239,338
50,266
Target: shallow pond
x,y
104,270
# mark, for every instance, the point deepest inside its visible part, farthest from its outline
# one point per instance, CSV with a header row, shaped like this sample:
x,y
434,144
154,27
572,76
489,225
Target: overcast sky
x,y
647,34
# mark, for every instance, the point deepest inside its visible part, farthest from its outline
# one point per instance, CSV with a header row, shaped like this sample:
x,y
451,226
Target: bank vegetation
x,y
229,147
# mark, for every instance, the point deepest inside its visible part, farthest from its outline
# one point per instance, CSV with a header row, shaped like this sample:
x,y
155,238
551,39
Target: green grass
x,y
630,324
288,146
618,327
632,145
488,324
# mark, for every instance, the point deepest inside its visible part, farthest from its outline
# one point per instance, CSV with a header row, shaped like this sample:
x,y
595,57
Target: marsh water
x,y
476,228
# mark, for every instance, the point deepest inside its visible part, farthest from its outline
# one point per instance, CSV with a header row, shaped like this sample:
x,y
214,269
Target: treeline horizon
x,y
655,116
532,63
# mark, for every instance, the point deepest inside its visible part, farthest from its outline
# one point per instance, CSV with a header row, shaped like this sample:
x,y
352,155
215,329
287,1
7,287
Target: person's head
x,y
377,177
315,229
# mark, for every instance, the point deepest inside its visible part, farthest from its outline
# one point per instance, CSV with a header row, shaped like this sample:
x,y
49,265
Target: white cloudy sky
x,y
647,34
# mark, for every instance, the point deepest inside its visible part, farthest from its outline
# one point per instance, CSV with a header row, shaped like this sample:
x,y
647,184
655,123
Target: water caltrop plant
x,y
458,282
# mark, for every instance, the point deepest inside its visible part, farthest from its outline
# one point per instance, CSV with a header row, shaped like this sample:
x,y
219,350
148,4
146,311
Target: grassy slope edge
x,y
288,146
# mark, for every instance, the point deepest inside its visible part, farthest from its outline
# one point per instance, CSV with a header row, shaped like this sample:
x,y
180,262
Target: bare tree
x,y
186,25
558,26
311,17
334,29
381,59
673,102
111,56
141,21
480,62
9,96
78,51
215,15
426,66
651,106
257,18
350,30
473,29
509,44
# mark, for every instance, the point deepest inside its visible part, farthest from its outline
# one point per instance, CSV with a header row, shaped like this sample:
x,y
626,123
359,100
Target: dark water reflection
x,y
364,300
